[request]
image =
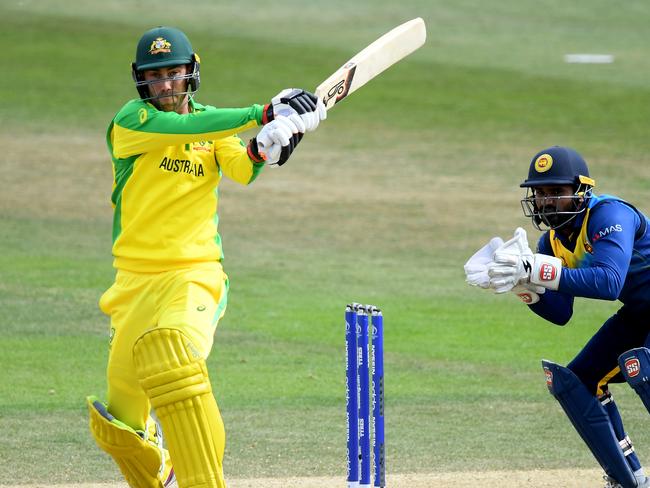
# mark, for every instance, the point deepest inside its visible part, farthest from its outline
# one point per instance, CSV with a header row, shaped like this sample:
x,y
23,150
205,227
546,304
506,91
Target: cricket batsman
x,y
593,246
169,154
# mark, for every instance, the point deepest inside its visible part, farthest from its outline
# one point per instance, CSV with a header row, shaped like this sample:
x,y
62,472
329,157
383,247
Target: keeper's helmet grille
x,y
556,166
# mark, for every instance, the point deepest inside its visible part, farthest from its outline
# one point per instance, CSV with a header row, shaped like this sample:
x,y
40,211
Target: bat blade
x,y
371,61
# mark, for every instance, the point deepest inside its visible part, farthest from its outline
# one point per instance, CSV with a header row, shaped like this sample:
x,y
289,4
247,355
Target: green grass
x,y
383,204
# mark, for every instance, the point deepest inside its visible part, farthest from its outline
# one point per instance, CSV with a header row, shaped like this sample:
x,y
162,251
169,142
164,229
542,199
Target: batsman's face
x,y
167,86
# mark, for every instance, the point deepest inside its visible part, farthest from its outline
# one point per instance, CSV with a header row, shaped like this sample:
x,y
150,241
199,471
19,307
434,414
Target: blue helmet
x,y
556,166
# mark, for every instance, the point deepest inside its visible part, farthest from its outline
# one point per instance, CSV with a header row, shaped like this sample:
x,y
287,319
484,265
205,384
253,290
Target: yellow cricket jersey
x,y
166,169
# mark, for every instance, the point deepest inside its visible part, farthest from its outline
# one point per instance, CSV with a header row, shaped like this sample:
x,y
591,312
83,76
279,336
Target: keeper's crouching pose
x,y
595,247
169,154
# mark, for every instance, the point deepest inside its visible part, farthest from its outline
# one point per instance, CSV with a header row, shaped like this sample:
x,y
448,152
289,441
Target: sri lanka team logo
x,y
543,163
160,45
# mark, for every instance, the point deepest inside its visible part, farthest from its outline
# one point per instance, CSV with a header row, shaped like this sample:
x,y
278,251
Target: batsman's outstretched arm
x,y
139,127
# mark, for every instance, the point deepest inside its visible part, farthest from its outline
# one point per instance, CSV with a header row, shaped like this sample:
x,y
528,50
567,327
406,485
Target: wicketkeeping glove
x,y
528,293
476,267
515,264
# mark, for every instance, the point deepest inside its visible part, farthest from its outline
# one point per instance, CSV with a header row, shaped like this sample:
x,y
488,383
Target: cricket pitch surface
x,y
566,478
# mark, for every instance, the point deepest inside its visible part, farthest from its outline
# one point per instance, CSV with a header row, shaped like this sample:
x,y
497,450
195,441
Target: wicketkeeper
x,y
169,153
595,247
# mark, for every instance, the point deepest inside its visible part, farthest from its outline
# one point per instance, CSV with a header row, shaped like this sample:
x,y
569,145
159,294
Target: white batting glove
x,y
515,264
319,114
476,267
293,101
274,136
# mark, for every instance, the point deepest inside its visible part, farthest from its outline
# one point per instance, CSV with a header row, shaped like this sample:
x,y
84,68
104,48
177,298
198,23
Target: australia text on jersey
x,y
182,166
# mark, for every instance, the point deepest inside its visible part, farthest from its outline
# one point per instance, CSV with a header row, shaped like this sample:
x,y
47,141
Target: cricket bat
x,y
371,61
363,67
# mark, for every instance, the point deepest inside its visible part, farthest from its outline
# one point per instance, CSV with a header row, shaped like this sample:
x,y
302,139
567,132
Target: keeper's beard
x,y
557,220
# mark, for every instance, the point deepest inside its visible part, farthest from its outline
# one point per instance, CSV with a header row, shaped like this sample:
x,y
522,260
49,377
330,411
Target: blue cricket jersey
x,y
607,257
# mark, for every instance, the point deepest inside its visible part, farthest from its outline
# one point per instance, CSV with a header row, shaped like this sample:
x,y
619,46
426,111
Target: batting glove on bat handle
x,y
253,151
289,148
294,101
276,141
272,158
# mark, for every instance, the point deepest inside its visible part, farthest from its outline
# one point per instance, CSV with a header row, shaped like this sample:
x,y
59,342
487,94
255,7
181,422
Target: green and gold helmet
x,y
163,47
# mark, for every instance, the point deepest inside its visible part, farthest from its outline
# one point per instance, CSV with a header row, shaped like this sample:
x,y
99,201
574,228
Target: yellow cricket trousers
x,y
191,300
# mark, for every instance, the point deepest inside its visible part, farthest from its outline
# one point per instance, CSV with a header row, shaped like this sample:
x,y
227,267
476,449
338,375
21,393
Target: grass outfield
x,y
383,205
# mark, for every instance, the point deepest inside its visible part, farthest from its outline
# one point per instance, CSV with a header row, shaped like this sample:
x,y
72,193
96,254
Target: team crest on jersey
x,y
160,45
205,146
543,163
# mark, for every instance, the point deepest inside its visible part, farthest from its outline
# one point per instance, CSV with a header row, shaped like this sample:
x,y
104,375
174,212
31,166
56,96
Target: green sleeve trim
x,y
223,303
215,219
123,170
257,169
109,141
